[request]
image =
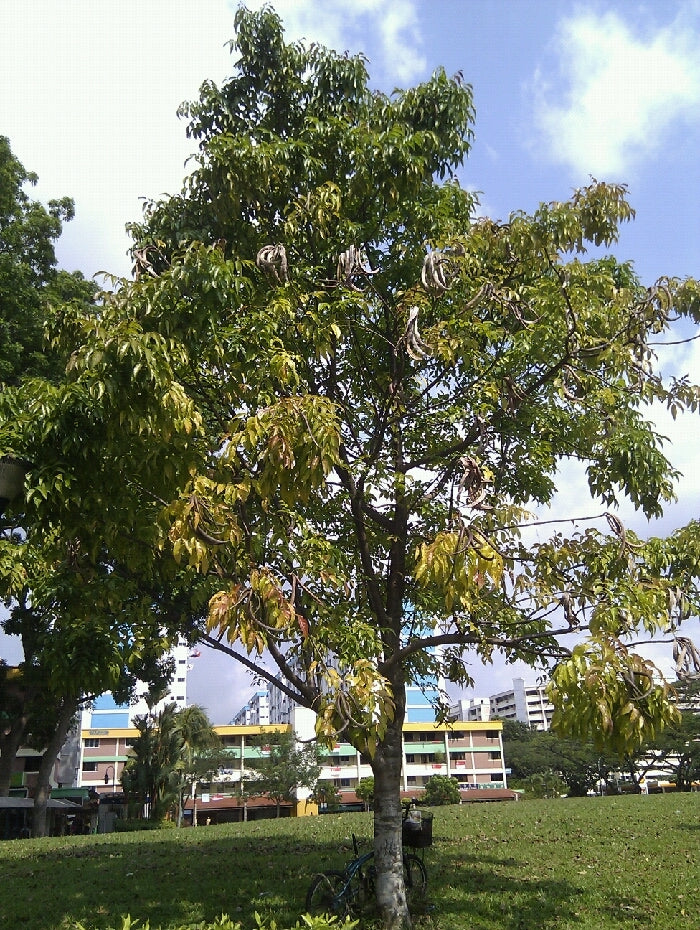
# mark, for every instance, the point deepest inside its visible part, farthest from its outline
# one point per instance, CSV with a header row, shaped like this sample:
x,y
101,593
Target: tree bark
x,y
48,761
388,850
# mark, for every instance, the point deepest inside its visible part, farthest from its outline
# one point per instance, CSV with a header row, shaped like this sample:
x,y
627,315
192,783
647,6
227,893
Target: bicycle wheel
x,y
415,879
325,894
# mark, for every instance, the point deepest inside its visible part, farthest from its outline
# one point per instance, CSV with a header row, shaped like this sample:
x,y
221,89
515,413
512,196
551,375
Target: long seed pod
x,y
352,264
434,276
416,346
272,261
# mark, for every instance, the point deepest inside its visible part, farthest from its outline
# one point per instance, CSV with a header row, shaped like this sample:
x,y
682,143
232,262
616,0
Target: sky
x,y
564,91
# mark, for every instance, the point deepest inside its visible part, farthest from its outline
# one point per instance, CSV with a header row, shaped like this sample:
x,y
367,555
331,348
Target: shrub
x,y
225,923
441,789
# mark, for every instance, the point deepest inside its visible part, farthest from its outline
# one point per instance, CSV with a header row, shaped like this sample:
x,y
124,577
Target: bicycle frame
x,y
341,892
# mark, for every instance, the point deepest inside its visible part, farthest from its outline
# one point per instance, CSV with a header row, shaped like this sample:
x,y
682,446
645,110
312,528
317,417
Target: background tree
x,y
150,777
326,795
201,753
365,791
441,789
545,785
29,279
675,752
580,764
283,767
334,393
76,613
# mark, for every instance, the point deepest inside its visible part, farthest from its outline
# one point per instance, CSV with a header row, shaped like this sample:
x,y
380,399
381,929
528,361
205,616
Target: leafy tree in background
x,y
150,778
581,765
441,789
680,747
675,752
333,394
201,753
88,621
326,795
545,785
365,791
33,583
29,280
283,767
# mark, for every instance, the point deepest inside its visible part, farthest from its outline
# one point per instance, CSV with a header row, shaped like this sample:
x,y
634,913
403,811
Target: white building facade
x,y
527,703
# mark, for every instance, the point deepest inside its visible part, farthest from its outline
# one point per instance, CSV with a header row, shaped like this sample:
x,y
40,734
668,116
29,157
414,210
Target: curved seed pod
x,y
416,346
143,261
434,273
352,263
687,658
272,260
472,481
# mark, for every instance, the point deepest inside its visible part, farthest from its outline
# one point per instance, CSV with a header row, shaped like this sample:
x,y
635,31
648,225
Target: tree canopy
x,y
80,615
29,279
440,789
334,394
283,767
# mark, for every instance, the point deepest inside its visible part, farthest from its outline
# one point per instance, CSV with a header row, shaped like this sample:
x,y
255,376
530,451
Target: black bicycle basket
x,y
417,830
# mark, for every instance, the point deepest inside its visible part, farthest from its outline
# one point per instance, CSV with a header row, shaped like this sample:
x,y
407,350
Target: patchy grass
x,y
591,864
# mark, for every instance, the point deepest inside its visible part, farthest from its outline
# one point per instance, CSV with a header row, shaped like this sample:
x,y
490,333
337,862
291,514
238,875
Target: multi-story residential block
x,y
527,703
256,712
469,752
107,730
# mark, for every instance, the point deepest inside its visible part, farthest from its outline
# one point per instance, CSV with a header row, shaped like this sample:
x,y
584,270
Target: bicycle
x,y
347,892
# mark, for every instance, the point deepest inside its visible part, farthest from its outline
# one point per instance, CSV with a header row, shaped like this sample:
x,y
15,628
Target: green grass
x,y
591,864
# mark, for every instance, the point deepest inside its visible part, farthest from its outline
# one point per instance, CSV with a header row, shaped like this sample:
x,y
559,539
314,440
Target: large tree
x,y
88,620
529,752
334,394
29,278
283,767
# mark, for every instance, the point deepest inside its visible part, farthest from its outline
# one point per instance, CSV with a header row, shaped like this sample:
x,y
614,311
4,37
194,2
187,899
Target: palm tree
x,y
197,736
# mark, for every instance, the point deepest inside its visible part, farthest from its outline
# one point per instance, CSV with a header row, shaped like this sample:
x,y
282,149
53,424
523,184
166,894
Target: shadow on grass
x,y
169,877
492,893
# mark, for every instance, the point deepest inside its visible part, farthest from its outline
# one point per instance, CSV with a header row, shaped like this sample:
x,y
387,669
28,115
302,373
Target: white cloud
x,y
90,93
393,24
618,93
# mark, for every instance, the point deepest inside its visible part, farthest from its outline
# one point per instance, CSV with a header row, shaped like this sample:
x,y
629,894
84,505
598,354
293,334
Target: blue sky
x,y
563,91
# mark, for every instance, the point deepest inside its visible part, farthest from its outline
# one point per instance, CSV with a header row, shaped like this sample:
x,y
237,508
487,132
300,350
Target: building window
x,y
92,743
32,763
180,680
129,741
494,755
89,766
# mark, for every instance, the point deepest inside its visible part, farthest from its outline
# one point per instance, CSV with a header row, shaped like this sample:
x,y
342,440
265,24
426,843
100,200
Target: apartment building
x,y
469,752
107,729
527,703
256,712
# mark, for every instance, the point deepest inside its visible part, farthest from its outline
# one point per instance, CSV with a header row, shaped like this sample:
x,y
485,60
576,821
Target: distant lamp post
x,y
12,472
114,777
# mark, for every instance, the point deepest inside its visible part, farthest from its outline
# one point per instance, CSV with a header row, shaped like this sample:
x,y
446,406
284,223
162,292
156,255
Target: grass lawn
x,y
628,862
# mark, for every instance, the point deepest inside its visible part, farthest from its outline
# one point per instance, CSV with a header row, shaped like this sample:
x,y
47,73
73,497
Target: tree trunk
x,y
48,761
9,744
388,851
